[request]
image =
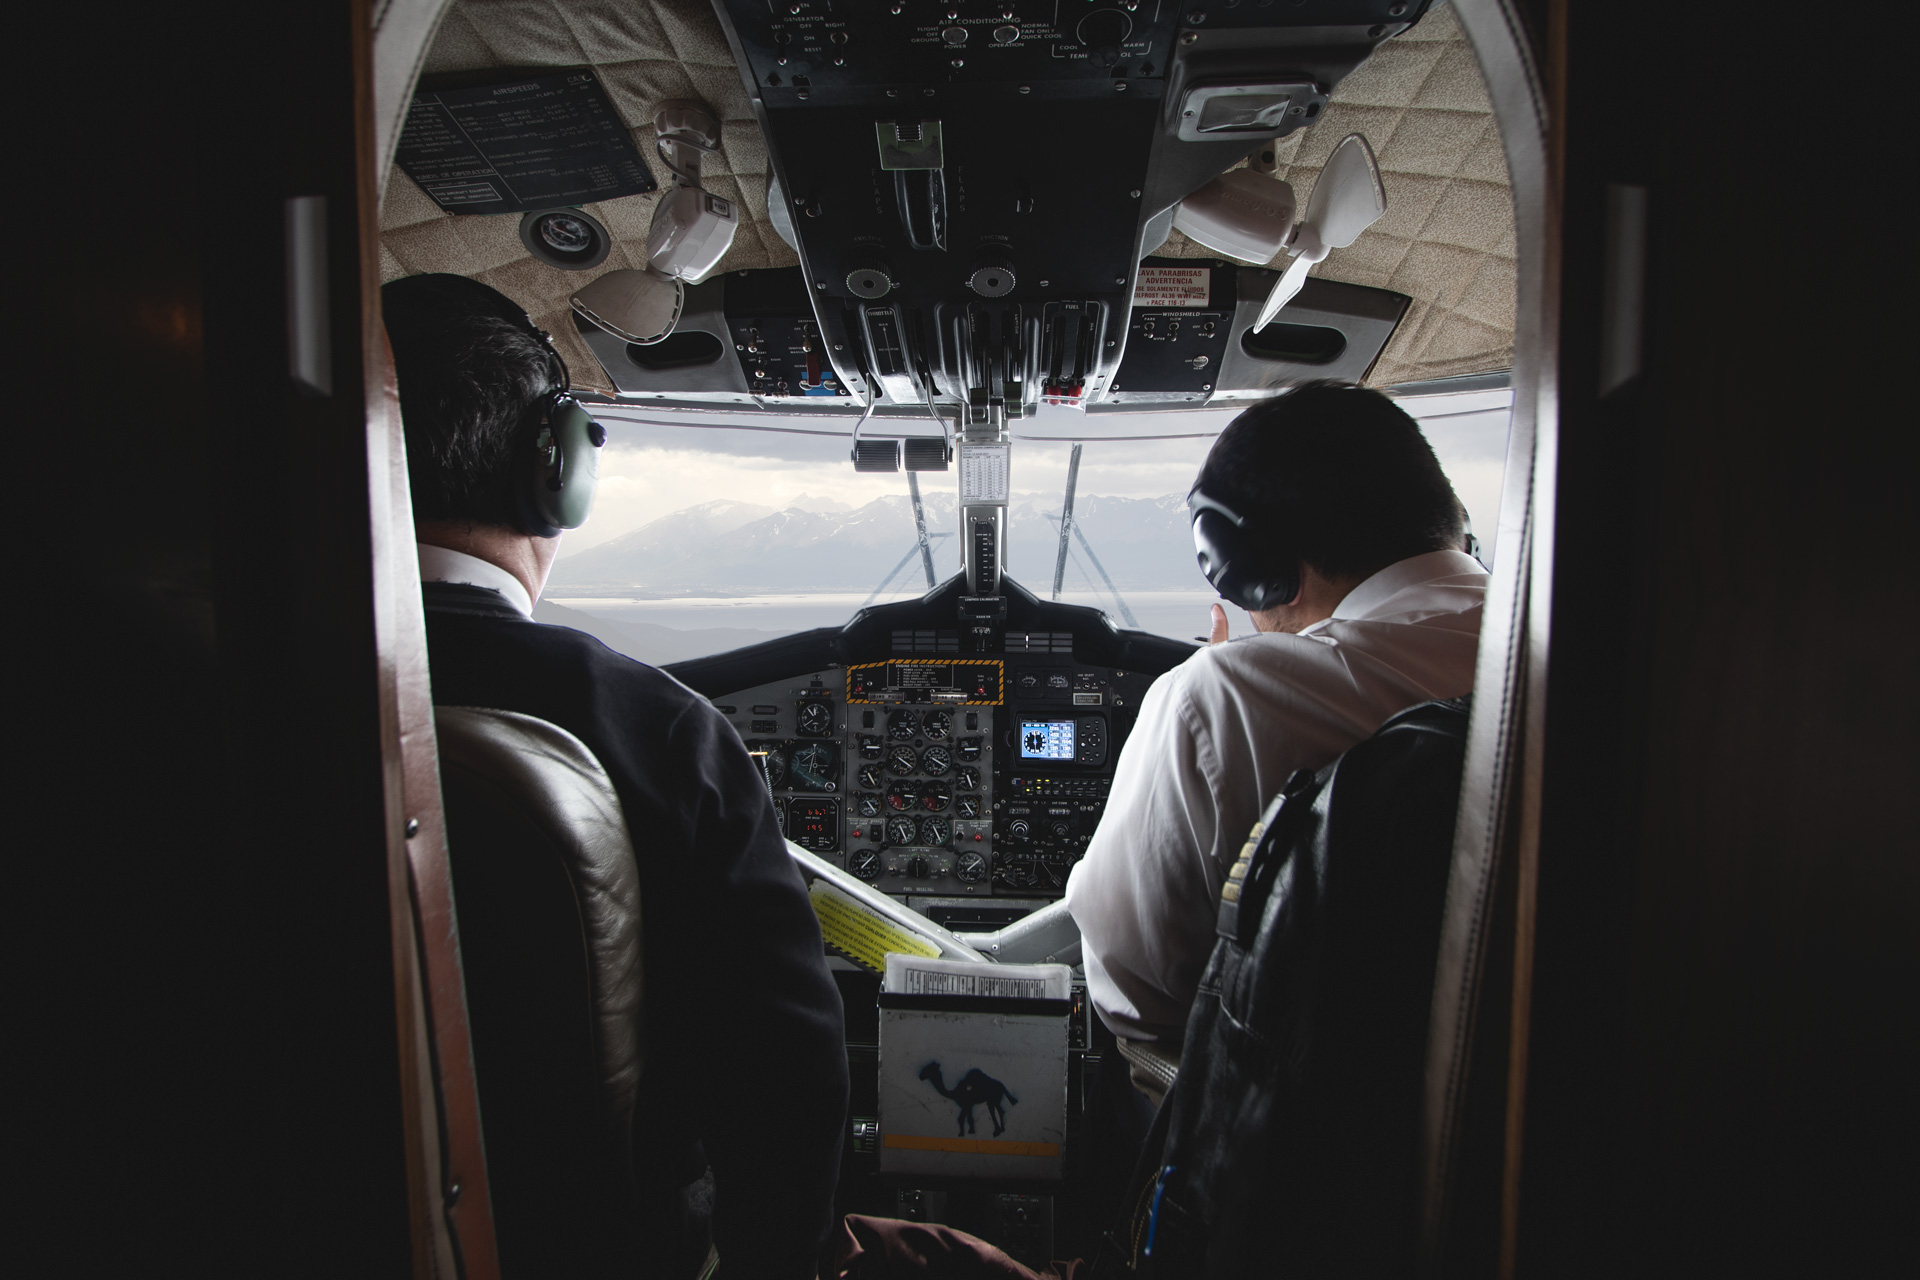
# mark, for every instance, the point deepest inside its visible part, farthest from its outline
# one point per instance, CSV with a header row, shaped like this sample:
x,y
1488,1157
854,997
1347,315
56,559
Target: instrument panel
x,y
932,775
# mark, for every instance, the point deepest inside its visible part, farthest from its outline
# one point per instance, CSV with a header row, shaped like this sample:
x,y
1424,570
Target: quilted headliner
x,y
1447,239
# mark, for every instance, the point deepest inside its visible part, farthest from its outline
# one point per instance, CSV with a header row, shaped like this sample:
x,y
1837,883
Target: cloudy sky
x,y
649,471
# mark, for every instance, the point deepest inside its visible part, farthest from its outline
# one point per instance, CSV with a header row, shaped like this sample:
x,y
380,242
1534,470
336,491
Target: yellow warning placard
x,y
860,935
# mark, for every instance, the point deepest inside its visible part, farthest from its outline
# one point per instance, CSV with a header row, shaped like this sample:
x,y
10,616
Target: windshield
x,y
705,538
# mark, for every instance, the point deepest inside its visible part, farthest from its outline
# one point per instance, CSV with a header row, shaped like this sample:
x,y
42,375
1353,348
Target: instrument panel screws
x,y
959,62
1395,10
1119,279
1045,283
413,827
1189,37
1374,33
1119,86
1026,88
1135,193
1197,17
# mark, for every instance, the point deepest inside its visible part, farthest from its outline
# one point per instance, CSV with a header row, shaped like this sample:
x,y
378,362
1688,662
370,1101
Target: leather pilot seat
x,y
548,898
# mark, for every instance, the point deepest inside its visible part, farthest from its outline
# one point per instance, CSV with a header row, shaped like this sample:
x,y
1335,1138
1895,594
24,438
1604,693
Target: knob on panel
x,y
1103,31
869,282
992,280
1104,27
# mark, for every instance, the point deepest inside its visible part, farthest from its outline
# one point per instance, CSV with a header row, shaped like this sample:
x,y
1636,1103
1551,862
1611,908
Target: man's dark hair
x,y
1339,471
472,378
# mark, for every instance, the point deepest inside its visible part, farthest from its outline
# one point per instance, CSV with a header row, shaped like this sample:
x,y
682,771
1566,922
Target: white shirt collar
x,y
1414,571
439,564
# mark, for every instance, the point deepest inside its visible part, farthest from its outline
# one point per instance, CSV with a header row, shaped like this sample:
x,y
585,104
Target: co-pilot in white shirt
x,y
1217,738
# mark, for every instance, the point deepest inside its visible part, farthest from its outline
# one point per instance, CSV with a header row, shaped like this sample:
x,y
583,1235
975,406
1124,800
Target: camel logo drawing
x,y
973,1088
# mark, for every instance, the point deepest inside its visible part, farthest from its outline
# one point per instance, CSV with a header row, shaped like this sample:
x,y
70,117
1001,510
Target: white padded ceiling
x,y
1447,239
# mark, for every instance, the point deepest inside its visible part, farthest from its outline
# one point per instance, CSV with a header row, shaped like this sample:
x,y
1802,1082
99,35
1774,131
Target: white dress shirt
x,y
439,564
1217,738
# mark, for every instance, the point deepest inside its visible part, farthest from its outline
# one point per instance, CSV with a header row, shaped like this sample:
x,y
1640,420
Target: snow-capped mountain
x,y
732,548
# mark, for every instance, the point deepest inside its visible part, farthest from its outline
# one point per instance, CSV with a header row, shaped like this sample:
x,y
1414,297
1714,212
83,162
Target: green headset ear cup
x,y
562,495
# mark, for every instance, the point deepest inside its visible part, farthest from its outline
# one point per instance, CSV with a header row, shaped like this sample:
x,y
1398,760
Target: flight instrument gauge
x,y
935,797
971,867
814,767
900,725
771,759
967,806
936,760
935,831
871,777
903,760
902,796
871,746
864,863
867,806
967,779
814,718
938,724
900,830
969,748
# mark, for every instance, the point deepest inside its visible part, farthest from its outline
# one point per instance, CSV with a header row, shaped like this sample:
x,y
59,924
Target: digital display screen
x,y
1046,740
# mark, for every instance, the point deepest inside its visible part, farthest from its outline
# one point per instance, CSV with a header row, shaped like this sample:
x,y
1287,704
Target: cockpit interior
x,y
906,325
950,240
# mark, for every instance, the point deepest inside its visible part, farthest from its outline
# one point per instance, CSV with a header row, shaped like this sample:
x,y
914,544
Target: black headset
x,y
1250,563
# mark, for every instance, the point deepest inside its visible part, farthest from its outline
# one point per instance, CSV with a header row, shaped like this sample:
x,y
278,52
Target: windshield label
x,y
1173,287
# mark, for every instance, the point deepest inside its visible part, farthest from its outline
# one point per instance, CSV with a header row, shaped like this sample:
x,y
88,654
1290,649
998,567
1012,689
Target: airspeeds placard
x,y
538,140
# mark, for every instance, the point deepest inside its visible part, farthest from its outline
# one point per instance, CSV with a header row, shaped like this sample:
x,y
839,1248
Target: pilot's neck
x,y
528,559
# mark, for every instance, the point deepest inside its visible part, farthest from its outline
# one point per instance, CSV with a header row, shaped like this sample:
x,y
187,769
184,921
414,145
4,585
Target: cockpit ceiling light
x,y
569,239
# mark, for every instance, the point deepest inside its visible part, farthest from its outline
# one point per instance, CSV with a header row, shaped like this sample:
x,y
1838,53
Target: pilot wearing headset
x,y
501,460
1324,514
